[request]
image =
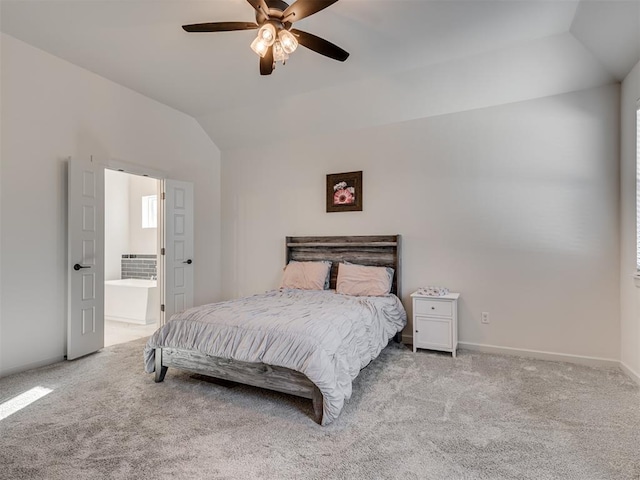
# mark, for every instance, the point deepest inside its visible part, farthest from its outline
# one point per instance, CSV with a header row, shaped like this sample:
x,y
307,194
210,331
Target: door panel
x,y
85,315
178,258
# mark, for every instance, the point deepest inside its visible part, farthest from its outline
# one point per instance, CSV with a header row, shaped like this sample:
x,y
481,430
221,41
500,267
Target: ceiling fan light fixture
x,y
259,46
267,33
279,53
288,41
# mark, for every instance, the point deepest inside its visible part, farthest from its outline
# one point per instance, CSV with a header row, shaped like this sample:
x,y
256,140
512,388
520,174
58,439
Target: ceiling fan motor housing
x,y
276,8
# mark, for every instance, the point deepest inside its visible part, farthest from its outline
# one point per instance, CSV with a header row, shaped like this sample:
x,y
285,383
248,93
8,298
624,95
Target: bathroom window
x,y
150,211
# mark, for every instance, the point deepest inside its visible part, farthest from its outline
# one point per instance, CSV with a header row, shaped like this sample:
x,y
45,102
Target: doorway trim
x,y
127,167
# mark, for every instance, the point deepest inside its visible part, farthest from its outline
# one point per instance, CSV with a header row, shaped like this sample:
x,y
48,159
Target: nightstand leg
x,y
453,354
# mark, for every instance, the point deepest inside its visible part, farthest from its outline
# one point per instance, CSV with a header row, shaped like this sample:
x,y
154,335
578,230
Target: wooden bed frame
x,y
379,250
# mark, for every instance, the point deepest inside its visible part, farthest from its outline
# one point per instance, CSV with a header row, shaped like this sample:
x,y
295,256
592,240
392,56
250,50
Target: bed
x,y
311,344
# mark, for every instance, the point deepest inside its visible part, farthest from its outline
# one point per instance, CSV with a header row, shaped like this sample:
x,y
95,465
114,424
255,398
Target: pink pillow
x,y
361,280
306,275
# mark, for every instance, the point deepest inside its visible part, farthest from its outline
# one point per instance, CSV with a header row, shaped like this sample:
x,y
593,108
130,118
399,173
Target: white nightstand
x,y
435,322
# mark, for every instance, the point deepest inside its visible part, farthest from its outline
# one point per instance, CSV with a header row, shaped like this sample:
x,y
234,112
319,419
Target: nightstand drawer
x,y
441,308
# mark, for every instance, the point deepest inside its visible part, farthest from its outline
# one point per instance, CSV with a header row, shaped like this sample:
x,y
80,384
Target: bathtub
x,y
132,300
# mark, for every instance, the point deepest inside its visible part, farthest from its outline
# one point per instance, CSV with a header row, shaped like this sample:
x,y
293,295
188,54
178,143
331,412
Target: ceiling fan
x,y
276,39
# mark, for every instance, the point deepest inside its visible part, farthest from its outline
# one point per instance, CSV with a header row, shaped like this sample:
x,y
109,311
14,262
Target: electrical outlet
x,y
485,317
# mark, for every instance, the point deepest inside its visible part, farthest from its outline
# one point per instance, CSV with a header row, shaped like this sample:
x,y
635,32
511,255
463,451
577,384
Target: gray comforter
x,y
327,336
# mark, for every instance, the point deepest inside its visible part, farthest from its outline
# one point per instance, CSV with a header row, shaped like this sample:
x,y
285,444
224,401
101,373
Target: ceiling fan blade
x,y
320,45
219,27
260,5
304,8
266,62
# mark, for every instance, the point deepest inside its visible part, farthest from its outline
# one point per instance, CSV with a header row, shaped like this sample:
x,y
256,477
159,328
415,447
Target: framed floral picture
x,y
344,192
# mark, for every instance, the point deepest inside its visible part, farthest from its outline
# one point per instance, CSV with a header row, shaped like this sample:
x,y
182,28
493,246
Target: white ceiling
x,y
409,58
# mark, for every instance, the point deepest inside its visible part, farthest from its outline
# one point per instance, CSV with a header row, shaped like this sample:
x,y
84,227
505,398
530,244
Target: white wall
x,y
52,109
515,206
141,240
629,294
116,222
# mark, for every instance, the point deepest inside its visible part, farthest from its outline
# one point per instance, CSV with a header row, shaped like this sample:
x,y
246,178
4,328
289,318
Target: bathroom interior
x,y
131,296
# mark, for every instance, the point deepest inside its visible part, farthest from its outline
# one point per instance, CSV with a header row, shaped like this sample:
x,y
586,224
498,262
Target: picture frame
x,y
344,192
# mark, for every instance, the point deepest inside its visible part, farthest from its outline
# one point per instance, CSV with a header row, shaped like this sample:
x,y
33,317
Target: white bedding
x,y
327,336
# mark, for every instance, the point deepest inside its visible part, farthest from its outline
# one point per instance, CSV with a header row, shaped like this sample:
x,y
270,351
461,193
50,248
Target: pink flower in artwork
x,y
344,196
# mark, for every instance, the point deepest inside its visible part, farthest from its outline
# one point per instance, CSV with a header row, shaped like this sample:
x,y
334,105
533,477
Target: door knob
x,y
77,267
188,262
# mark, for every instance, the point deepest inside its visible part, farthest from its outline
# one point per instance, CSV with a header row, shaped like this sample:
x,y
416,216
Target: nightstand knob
x,y
433,308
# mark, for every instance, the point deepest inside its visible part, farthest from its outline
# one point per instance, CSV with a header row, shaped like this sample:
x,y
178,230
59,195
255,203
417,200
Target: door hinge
x,y
163,196
162,308
162,251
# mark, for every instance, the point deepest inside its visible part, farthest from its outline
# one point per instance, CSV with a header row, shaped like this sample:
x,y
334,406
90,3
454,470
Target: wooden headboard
x,y
374,250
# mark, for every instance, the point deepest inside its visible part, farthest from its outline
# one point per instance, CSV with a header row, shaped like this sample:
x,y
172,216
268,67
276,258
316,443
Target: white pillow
x,y
306,275
361,280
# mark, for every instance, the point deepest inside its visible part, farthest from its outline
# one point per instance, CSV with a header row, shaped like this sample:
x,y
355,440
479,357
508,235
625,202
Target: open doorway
x,y
131,287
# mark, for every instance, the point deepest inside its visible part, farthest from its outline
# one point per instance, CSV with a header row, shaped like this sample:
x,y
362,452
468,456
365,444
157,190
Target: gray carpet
x,y
412,416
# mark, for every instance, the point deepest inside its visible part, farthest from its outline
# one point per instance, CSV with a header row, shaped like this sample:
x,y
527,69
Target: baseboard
x,y
635,376
131,321
541,355
30,366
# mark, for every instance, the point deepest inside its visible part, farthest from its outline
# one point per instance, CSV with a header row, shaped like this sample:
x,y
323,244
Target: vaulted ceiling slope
x,y
409,58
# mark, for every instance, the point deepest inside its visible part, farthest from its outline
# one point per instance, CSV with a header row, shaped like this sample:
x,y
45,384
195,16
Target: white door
x,y
178,247
85,314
